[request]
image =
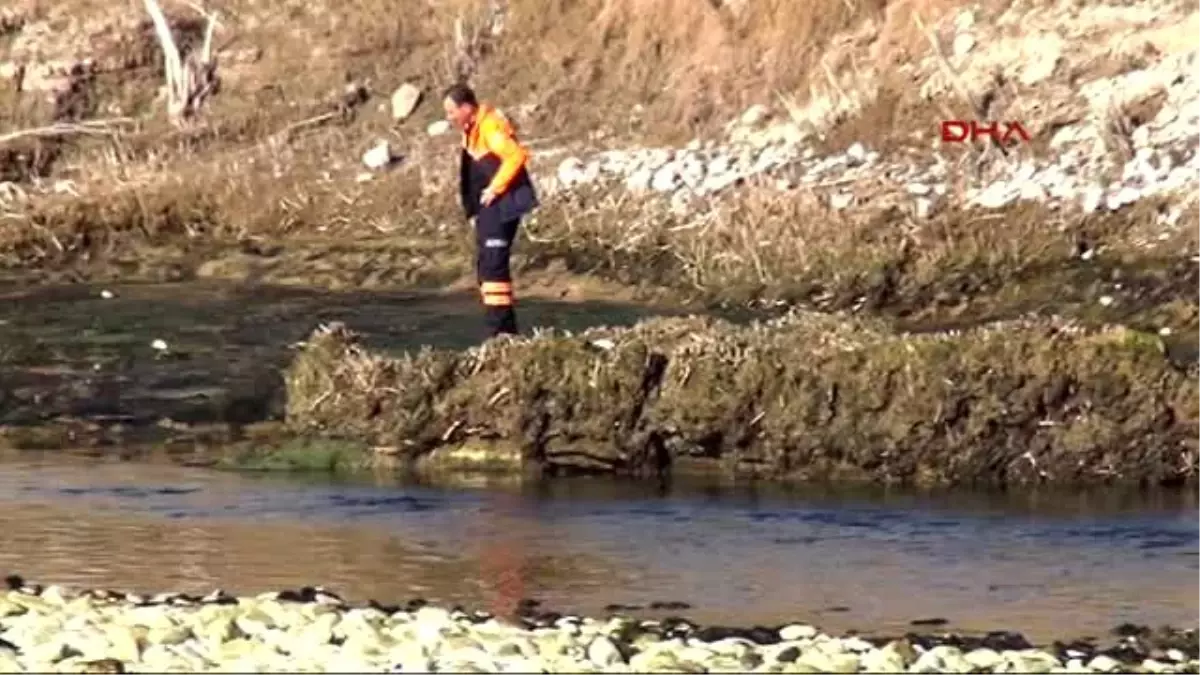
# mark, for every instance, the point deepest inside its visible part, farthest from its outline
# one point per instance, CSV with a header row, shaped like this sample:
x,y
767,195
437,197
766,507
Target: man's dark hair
x,y
461,94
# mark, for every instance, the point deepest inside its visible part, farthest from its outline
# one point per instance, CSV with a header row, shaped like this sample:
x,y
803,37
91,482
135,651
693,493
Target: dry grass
x,y
577,65
272,160
808,396
760,246
663,68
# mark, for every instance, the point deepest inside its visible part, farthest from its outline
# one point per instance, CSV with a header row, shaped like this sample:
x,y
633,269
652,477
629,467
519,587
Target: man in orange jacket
x,y
496,192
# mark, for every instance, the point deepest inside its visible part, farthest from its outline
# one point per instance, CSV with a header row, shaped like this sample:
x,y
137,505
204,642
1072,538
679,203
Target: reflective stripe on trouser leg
x,y
497,293
494,242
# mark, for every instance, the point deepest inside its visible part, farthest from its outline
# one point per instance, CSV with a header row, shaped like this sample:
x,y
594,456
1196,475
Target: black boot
x,y
501,321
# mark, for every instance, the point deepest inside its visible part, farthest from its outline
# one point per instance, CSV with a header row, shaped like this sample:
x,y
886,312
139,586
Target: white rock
x,y
928,662
520,664
604,652
882,661
855,644
107,294
1123,197
754,116
983,658
1140,137
639,180
719,165
840,200
11,70
718,182
797,631
159,345
1031,191
857,153
411,657
666,179
570,171
378,157
1093,197
963,42
404,100
692,174
997,195
1104,664
438,128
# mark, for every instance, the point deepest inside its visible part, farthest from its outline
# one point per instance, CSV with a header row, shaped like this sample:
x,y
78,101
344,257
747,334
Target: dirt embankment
x,y
808,396
265,184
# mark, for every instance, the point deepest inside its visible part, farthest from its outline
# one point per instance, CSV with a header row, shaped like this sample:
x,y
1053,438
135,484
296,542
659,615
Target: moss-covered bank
x,y
808,397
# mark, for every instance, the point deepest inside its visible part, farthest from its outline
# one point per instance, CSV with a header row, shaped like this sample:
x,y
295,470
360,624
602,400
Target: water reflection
x,y
1073,563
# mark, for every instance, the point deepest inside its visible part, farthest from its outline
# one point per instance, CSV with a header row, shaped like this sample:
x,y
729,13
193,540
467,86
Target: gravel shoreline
x,y
53,629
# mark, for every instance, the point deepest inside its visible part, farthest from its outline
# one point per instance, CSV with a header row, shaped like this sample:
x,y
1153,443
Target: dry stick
x,y
829,76
311,121
173,64
95,127
187,84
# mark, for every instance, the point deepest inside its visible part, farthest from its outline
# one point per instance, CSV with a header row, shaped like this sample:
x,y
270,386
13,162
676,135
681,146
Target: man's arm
x,y
471,206
502,142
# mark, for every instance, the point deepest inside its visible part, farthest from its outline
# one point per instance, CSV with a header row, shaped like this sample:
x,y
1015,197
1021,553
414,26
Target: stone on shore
x,y
176,633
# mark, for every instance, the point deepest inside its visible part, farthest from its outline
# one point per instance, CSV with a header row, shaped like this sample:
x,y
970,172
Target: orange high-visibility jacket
x,y
493,157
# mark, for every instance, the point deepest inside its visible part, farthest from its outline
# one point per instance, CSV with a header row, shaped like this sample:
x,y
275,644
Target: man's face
x,y
458,115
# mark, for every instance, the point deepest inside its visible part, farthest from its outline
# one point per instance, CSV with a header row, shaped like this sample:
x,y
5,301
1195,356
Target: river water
x,y
86,351
1049,565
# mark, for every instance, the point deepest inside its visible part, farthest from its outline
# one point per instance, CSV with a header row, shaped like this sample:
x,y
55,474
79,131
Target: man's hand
x,y
488,197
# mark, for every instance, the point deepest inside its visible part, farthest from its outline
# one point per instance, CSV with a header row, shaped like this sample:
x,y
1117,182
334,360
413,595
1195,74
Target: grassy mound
x,y
807,396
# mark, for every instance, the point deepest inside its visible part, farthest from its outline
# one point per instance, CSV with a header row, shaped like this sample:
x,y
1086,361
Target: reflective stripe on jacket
x,y
493,157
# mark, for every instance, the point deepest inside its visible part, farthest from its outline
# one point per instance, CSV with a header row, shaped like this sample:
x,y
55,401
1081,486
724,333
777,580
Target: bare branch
x,y
86,127
188,83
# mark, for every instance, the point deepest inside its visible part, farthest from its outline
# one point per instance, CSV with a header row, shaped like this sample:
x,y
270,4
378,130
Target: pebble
x,y
59,631
379,156
797,632
405,100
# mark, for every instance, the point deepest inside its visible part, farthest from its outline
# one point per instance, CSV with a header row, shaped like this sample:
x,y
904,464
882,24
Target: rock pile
x,y
312,630
1112,141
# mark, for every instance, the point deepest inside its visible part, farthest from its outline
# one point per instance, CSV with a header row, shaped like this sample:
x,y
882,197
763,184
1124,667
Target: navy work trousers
x,y
493,251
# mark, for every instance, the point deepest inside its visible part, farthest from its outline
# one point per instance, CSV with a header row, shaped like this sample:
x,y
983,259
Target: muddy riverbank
x,y
78,360
823,397
958,268
809,396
